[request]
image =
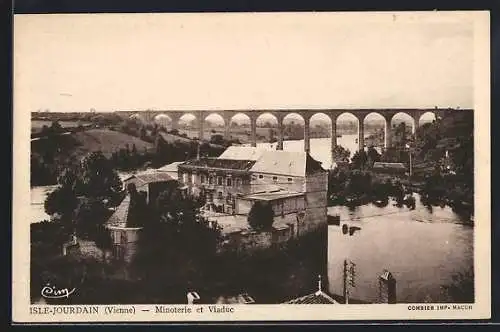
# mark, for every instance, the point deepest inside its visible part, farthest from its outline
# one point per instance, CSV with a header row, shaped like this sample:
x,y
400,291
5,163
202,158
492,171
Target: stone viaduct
x,y
149,116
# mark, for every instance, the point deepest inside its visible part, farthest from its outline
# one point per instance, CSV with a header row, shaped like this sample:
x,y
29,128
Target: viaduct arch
x,y
149,116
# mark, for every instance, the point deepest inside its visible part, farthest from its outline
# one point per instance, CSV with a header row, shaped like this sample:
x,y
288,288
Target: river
x,y
422,249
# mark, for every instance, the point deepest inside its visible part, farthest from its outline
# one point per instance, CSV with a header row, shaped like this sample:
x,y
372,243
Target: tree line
x,y
445,147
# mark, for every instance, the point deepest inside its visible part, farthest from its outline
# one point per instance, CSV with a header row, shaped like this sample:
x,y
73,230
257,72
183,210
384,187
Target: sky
x,y
111,62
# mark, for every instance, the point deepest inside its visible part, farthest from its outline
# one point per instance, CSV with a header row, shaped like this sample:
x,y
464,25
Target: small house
x,y
151,182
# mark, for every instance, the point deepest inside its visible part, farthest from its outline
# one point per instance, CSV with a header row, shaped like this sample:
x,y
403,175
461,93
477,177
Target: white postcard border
x,y
481,309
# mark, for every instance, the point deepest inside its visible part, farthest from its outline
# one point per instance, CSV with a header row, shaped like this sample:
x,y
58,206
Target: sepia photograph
x,y
217,160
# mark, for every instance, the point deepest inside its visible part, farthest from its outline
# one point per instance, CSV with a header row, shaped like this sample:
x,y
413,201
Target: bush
x,y
261,216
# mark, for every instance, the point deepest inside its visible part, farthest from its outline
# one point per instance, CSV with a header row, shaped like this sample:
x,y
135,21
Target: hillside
x,y
50,155
80,143
176,139
171,138
107,141
454,133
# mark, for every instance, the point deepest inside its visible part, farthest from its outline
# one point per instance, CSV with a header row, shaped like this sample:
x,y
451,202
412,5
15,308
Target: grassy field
x,y
107,141
80,143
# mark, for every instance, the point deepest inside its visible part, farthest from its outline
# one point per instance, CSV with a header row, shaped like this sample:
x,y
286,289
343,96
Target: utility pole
x,y
411,166
408,146
349,277
346,291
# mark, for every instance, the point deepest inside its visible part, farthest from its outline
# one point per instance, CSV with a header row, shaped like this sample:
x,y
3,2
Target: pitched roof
x,y
172,167
272,195
242,153
239,299
150,177
286,163
120,216
315,298
220,163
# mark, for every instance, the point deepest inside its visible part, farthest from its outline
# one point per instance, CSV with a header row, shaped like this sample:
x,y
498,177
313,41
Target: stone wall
x,y
281,206
316,194
284,229
291,183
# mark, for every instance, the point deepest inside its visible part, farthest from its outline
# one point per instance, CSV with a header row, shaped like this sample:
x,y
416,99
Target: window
x,y
193,178
229,182
202,179
238,182
219,195
210,180
275,178
261,176
219,181
290,179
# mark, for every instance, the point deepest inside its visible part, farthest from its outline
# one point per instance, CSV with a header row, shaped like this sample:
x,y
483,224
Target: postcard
x,y
224,167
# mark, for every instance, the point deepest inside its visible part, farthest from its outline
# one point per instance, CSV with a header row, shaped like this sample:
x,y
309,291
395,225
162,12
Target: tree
x,y
143,133
98,178
68,179
217,139
55,127
373,156
272,139
261,216
138,207
340,154
83,192
62,201
359,183
359,159
400,135
176,210
102,238
90,216
45,130
154,131
184,240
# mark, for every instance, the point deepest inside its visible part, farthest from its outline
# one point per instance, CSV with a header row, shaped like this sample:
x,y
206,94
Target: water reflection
x,y
423,249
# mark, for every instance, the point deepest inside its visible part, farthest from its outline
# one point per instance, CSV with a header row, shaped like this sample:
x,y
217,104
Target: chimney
x,y
387,288
193,298
245,299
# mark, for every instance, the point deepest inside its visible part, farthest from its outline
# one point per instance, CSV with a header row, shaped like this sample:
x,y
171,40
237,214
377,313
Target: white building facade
x,y
292,182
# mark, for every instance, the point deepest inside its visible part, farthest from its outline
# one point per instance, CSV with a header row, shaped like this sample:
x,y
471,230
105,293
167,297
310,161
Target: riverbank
x,y
353,188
